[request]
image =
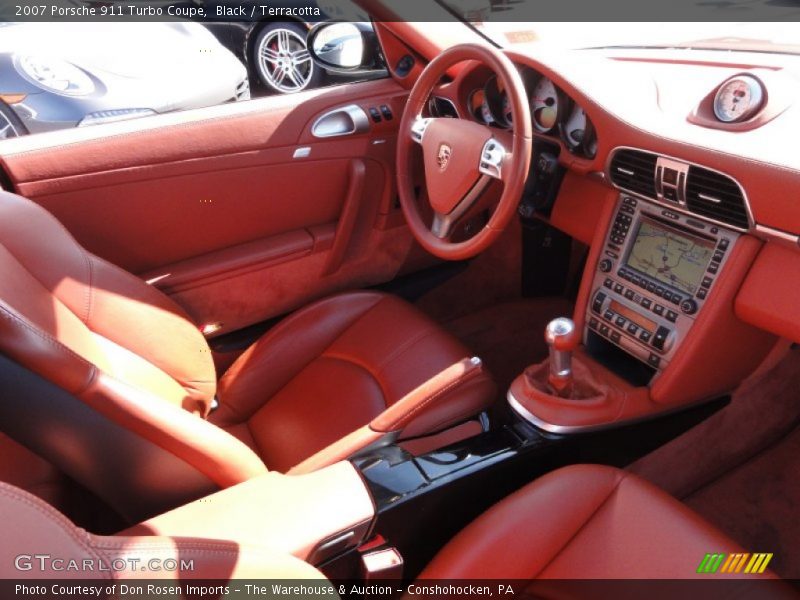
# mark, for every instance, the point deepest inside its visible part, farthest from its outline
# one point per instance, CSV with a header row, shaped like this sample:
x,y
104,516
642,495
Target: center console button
x,y
605,265
659,310
615,336
667,295
629,294
676,299
723,244
618,287
672,315
620,321
701,293
689,306
653,360
593,323
608,315
660,338
645,336
597,304
660,291
647,303
633,328
651,287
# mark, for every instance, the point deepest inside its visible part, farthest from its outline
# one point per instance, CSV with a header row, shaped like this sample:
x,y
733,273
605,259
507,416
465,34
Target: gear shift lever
x,y
561,338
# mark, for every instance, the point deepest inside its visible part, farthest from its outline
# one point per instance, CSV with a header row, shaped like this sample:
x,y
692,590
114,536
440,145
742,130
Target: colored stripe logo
x,y
743,562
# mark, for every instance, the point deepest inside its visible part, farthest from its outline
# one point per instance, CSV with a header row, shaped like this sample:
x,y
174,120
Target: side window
x,y
63,75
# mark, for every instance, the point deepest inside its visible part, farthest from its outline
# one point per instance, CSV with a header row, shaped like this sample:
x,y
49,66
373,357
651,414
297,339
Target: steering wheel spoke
x,y
443,224
418,128
493,156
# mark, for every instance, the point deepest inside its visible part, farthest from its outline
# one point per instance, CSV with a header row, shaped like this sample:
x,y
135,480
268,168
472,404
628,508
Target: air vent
x,y
716,196
442,107
634,171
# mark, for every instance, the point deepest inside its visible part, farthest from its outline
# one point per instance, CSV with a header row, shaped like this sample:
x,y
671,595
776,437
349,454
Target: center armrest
x,y
312,516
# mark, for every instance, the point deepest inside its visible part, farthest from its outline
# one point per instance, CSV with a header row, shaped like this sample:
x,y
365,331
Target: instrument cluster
x,y
553,112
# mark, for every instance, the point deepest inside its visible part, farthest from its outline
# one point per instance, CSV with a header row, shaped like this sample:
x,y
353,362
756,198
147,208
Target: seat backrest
x,y
110,344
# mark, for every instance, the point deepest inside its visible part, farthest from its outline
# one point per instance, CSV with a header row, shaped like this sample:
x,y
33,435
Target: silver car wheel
x,y
284,63
7,128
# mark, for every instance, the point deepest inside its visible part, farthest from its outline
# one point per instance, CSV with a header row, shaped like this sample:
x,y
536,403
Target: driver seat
x,y
108,379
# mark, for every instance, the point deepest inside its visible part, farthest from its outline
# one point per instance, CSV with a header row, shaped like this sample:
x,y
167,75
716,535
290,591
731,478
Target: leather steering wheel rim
x,y
463,145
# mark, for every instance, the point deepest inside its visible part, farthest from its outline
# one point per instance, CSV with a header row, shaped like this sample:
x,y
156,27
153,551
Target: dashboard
x,y
721,113
679,172
554,114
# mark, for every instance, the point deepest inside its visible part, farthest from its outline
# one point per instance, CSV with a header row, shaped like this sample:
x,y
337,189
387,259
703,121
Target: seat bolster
x,y
582,521
31,528
276,358
518,536
210,450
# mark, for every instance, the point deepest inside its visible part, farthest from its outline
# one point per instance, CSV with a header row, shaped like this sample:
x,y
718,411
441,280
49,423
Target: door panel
x,y
237,211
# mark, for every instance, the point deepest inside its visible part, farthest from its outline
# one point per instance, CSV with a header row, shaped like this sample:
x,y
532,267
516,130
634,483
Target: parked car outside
x,y
275,52
52,75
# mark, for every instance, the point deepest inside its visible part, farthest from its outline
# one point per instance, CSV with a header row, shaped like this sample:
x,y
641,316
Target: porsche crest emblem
x,y
443,157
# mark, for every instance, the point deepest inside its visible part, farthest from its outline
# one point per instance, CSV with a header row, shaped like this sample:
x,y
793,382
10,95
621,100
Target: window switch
x,y
375,114
386,112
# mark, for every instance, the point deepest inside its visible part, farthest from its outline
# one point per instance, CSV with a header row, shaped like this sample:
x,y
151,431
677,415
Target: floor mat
x,y
757,504
509,336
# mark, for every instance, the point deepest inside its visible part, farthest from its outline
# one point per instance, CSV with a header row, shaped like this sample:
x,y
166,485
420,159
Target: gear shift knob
x,y
561,338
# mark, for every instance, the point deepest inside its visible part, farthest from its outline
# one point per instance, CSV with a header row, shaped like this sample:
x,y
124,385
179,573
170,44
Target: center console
x,y
656,270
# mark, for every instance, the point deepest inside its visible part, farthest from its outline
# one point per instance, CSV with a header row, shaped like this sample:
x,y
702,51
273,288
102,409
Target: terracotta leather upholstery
x,y
333,367
131,357
53,547
582,522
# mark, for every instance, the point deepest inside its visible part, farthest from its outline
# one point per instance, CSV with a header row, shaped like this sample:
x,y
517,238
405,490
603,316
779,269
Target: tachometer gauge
x,y
738,99
479,107
497,102
506,106
544,105
575,127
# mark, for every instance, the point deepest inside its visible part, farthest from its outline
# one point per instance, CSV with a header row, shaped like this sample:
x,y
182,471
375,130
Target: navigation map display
x,y
670,256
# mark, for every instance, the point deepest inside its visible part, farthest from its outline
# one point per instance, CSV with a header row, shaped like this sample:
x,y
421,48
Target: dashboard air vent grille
x,y
715,196
635,170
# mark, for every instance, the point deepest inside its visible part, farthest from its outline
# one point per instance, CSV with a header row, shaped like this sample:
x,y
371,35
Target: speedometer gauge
x,y
738,99
544,105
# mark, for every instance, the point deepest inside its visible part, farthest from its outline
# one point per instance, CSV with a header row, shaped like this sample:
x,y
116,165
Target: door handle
x,y
345,120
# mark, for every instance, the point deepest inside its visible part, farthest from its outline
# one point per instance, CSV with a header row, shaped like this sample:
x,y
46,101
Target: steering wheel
x,y
462,157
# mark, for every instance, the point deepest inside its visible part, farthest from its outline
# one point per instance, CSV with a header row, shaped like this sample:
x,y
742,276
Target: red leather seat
x,y
39,543
335,366
582,522
126,374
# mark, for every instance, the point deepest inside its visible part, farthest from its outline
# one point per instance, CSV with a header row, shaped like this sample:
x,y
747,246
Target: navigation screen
x,y
670,256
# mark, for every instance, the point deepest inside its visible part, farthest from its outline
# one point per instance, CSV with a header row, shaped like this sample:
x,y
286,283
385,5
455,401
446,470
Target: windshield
x,y
754,37
498,22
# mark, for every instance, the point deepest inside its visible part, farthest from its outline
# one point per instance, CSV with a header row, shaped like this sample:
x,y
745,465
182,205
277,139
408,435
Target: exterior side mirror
x,y
345,47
